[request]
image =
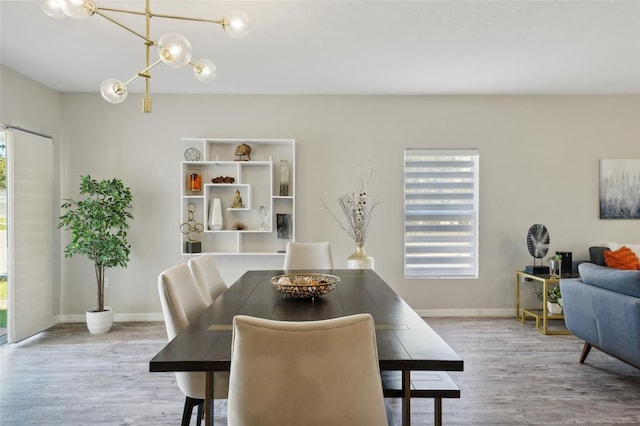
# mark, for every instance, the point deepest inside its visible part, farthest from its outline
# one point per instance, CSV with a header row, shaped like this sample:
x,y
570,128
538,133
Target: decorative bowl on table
x,y
305,285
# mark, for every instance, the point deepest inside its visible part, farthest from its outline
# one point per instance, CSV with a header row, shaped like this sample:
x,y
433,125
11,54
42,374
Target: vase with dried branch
x,y
357,208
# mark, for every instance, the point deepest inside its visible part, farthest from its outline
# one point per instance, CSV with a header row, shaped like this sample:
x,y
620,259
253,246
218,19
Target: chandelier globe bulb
x,y
236,24
77,9
174,50
114,90
205,70
52,8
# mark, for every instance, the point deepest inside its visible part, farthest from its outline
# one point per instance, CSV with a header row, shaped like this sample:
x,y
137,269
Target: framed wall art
x,y
620,189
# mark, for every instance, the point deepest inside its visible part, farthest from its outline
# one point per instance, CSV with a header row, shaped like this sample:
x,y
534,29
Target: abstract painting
x,y
620,189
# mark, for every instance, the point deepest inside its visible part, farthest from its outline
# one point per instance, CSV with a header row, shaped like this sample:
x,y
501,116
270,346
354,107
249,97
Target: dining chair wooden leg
x,y
200,413
189,403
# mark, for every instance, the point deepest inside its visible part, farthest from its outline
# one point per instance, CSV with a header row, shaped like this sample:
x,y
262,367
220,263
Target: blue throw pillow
x,y
618,280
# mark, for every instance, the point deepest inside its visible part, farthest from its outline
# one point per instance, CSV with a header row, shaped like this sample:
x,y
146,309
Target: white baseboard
x,y
469,313
424,313
150,317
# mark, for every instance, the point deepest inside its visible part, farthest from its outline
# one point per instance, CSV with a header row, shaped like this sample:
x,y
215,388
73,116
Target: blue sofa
x,y
602,307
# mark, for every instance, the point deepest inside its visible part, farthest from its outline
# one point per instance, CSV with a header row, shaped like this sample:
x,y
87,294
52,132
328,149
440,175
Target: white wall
x,y
538,164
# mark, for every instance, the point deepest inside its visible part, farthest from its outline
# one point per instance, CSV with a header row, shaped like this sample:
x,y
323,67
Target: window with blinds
x,y
441,213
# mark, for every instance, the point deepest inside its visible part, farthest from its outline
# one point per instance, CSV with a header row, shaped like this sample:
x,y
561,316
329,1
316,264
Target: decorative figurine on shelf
x,y
538,245
242,151
192,230
263,212
223,179
191,154
237,201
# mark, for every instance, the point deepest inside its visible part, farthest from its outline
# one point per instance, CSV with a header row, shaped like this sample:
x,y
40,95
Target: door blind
x,y
31,227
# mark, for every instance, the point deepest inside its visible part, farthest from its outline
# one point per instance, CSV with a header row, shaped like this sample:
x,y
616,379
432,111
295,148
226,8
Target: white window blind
x,y
441,213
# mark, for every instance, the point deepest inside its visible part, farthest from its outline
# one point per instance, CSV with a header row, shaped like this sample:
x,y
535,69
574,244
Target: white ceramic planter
x,y
554,308
99,322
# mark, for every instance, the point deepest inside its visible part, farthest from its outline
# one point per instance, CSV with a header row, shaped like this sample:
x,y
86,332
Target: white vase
x,y
215,215
359,259
99,322
284,178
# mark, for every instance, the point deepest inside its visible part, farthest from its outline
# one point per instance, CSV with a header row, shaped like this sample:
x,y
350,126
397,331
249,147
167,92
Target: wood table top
x,y
405,341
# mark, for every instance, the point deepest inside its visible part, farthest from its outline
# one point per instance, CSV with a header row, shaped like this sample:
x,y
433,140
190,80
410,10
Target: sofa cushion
x,y
596,255
623,258
618,280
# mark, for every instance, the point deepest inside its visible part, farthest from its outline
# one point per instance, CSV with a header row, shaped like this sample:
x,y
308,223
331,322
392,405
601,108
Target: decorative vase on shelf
x,y
215,215
555,268
284,178
359,259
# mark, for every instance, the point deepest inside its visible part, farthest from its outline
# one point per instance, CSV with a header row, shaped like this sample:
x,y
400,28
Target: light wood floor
x,y
513,376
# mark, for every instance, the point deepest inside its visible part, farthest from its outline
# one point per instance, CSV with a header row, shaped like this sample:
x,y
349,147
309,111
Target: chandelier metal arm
x,y
186,18
143,73
173,48
160,15
110,9
98,11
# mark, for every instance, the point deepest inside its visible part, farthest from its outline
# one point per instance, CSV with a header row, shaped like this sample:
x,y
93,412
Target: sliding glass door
x,y
3,236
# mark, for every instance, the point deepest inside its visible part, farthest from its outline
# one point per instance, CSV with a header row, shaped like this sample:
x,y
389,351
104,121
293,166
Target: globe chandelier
x,y
173,48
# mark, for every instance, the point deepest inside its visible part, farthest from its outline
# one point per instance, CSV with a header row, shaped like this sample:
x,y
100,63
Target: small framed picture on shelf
x,y
283,222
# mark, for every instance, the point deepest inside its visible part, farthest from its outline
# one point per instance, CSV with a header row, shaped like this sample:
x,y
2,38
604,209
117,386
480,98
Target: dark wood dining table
x,y
405,341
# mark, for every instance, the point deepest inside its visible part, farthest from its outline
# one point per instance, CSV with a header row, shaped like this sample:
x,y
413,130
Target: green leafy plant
x,y
98,225
555,257
553,294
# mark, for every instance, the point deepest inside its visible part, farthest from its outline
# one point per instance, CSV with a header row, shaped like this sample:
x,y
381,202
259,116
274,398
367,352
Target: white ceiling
x,y
345,47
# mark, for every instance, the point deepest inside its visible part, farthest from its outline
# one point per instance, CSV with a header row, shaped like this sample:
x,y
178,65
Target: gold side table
x,y
541,316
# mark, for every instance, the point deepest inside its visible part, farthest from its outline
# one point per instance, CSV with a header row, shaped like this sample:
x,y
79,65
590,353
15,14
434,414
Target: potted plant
x,y
555,266
357,208
554,301
98,224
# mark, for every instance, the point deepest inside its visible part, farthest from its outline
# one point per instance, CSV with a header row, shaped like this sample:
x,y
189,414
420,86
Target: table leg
x,y
208,401
518,317
437,410
545,320
406,399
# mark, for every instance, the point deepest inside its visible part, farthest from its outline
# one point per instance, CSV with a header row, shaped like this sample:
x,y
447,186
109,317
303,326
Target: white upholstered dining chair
x,y
305,373
205,271
308,256
182,301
